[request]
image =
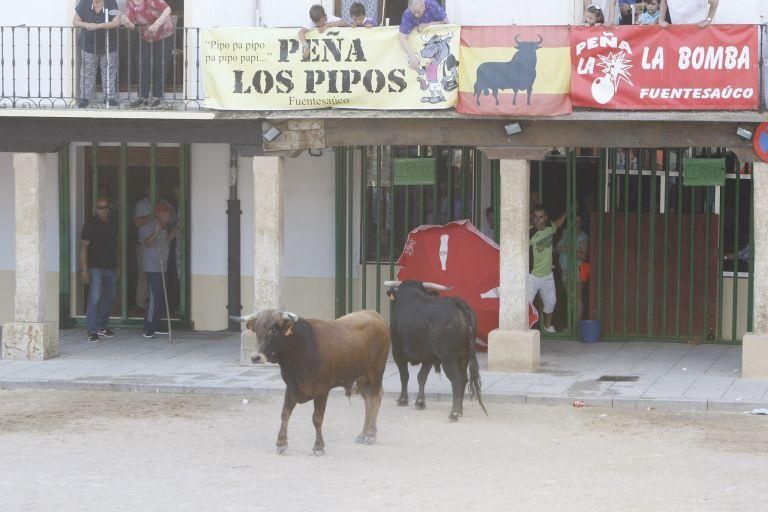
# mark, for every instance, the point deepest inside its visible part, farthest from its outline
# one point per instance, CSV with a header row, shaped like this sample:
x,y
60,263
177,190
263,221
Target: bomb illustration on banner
x,y
615,70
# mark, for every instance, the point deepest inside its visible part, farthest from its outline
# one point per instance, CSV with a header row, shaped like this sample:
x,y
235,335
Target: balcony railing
x,y
40,68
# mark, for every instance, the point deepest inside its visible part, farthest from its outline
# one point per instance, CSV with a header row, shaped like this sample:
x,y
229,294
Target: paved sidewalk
x,y
650,374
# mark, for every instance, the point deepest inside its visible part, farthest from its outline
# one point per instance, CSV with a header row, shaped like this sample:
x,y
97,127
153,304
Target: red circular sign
x,y
760,141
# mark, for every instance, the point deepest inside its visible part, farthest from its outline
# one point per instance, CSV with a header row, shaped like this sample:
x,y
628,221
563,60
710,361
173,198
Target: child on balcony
x,y
594,16
320,21
357,16
651,15
608,8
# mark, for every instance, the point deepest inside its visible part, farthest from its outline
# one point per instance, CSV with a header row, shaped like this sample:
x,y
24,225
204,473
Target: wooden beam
x,y
59,130
490,133
496,153
296,134
746,155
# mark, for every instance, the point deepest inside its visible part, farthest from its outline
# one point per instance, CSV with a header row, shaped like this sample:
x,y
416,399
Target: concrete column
x,y
754,354
30,336
267,240
513,346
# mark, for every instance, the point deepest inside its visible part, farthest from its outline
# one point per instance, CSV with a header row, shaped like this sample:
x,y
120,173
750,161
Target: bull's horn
x,y
394,284
436,287
287,315
245,318
517,38
425,37
541,40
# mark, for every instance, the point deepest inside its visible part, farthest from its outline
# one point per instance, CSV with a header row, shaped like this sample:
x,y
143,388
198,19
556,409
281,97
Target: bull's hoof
x,y
402,401
281,449
420,404
366,439
318,452
453,417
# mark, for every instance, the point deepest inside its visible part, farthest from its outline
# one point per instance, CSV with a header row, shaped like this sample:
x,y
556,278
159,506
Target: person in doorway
x,y
98,20
698,12
488,231
419,15
320,21
156,237
142,214
582,256
99,264
153,17
626,11
541,280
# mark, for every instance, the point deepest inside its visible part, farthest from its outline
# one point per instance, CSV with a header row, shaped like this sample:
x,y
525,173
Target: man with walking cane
x,y
156,237
98,21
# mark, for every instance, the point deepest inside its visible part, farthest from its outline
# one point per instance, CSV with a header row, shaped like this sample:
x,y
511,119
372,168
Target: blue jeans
x,y
156,305
101,297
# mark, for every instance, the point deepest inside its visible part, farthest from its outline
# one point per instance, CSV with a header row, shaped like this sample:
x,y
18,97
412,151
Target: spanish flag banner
x,y
364,68
515,70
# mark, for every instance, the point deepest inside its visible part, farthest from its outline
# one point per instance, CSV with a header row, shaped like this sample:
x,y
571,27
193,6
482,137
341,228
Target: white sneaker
x,y
550,329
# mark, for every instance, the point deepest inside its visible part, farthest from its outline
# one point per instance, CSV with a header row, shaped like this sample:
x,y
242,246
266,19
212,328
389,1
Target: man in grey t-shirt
x,y
156,238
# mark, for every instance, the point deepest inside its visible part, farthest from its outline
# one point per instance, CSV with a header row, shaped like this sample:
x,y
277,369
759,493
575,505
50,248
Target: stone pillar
x,y
267,240
754,354
513,346
30,336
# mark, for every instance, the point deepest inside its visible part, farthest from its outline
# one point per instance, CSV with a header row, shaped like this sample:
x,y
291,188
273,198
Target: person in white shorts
x,y
540,277
699,12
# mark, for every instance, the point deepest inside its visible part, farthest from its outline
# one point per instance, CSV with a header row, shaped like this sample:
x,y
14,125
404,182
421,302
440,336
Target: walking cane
x,y
165,294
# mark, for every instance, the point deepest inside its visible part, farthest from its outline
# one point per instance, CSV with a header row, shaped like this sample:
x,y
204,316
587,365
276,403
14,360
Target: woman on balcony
x,y
153,17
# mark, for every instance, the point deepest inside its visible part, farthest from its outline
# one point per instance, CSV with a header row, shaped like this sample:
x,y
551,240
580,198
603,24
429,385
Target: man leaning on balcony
x,y
97,21
419,15
698,12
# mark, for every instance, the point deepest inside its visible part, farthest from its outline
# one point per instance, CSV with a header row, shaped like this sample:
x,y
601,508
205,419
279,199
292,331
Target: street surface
x,y
104,451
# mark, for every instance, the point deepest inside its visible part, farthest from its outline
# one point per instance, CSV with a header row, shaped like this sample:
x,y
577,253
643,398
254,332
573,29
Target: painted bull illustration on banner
x,y
518,74
437,51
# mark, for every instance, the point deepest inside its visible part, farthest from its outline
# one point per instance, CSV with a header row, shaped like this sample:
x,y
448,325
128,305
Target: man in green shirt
x,y
540,277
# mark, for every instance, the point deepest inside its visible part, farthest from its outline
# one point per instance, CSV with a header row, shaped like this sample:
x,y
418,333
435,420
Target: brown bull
x,y
318,355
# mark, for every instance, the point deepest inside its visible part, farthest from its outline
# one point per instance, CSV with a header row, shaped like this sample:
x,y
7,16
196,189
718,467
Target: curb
x,y
667,404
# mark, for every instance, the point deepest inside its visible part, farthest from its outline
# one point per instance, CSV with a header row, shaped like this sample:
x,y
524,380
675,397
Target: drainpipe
x,y
234,308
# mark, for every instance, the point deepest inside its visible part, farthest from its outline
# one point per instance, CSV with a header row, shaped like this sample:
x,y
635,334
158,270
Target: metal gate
x,y
123,173
668,261
374,214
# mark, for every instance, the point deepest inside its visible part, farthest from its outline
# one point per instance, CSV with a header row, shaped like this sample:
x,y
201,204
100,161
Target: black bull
x,y
434,331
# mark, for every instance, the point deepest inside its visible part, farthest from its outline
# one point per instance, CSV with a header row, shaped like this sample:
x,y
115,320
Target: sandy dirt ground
x,y
101,451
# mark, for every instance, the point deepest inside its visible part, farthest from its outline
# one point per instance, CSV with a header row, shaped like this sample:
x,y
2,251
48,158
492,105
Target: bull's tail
x,y
474,379
474,367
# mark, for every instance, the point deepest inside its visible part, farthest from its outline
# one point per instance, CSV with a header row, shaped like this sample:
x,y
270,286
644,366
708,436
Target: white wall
x,y
565,12
208,209
512,12
308,216
275,13
7,220
238,13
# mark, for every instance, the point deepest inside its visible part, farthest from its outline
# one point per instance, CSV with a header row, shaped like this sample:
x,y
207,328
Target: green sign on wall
x,y
704,172
414,171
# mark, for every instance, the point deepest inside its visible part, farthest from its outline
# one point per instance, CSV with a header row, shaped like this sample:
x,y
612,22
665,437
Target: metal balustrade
x,y
40,69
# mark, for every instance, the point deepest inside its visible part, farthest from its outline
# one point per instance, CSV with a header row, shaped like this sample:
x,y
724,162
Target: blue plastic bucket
x,y
589,331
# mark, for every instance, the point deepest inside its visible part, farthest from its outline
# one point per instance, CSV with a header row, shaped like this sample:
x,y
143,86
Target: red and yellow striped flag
x,y
515,70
